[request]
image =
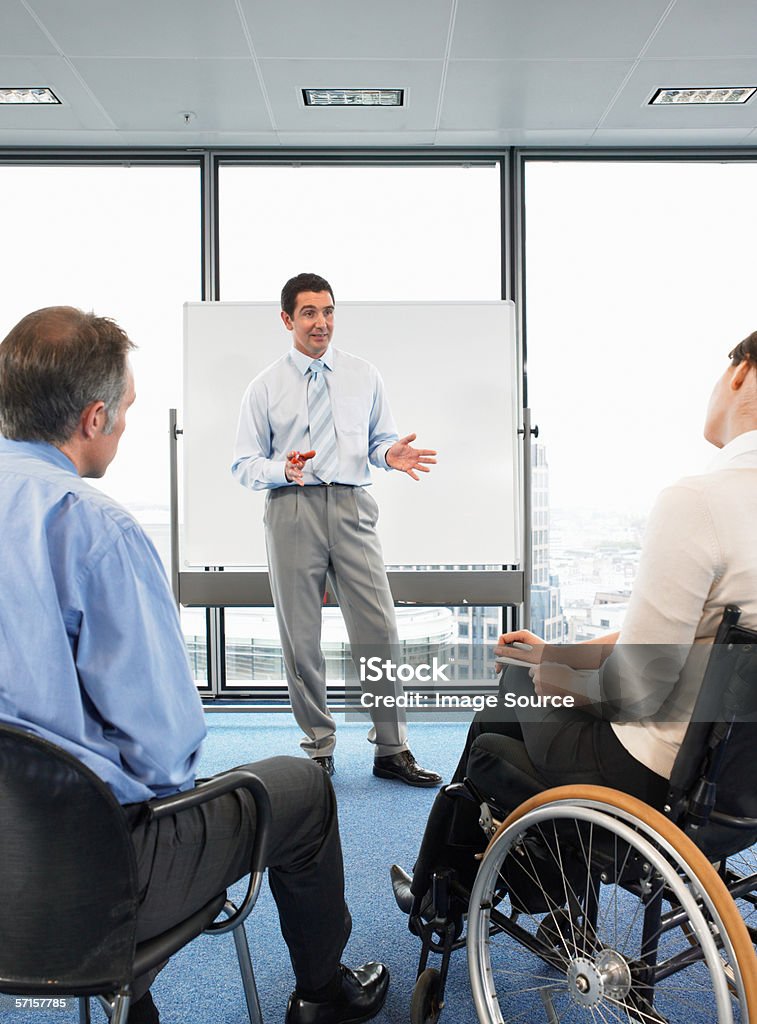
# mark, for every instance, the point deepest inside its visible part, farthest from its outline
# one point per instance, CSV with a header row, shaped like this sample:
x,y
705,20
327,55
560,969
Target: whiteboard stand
x,y
528,432
173,468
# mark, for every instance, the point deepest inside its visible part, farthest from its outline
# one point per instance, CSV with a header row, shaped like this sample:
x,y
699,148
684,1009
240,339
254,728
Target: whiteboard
x,y
450,375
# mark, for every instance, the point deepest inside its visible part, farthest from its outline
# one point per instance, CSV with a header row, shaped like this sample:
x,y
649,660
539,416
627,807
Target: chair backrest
x,y
720,741
67,874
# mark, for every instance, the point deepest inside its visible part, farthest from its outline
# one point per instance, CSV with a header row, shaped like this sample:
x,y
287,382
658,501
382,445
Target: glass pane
x,y
376,233
124,242
639,282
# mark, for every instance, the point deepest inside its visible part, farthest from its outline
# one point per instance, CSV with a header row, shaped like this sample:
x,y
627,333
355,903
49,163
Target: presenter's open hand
x,y
410,460
293,467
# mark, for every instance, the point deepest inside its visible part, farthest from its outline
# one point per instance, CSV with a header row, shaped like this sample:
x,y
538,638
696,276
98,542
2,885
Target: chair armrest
x,y
219,785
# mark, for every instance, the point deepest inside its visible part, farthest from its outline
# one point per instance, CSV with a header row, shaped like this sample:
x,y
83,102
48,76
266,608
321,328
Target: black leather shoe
x,y
327,763
401,888
361,997
403,895
143,1011
404,767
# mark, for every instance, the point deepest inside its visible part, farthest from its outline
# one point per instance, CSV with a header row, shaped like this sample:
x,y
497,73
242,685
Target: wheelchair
x,y
590,905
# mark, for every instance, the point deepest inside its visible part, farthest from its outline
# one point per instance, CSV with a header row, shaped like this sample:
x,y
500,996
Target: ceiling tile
x,y
356,139
146,94
701,28
546,73
144,28
63,138
555,138
553,28
20,34
537,95
77,108
343,29
285,79
632,110
476,137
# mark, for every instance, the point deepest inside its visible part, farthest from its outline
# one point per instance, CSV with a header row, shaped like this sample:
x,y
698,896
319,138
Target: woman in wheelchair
x,y
633,697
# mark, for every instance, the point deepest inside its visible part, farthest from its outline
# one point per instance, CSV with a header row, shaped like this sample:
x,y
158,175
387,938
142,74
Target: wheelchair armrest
x,y
220,785
461,791
467,790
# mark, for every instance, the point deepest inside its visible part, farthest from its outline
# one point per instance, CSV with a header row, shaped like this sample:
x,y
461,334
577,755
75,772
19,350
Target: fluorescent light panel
x,y
353,97
8,95
720,94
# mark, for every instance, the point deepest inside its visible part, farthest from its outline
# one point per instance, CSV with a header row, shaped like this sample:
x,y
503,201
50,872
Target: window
x,y
639,282
425,232
125,242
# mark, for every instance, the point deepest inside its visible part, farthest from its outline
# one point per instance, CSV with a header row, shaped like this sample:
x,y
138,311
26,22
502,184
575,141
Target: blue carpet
x,y
380,822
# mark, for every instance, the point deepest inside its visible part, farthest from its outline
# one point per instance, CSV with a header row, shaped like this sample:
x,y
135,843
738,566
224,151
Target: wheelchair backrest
x,y
716,759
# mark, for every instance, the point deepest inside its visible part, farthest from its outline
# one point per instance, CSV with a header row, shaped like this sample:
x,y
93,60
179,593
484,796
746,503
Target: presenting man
x,y
92,658
308,426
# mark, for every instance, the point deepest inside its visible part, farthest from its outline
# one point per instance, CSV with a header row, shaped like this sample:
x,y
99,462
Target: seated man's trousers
x,y
185,860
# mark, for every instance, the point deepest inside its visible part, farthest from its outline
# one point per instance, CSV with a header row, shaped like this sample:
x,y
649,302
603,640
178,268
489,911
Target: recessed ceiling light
x,y
720,94
353,97
28,96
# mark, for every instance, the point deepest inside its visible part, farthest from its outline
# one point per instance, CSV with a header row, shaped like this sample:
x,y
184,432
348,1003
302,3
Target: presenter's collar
x,y
302,361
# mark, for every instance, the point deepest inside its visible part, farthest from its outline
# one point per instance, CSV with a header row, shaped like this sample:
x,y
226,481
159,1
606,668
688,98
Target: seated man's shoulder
x,y
77,504
100,505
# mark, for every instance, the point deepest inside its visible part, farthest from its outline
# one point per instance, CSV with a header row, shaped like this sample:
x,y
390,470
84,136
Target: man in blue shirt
x,y
308,427
92,658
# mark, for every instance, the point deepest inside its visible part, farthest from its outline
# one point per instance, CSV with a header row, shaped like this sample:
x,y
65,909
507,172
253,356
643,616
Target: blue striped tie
x,y
322,434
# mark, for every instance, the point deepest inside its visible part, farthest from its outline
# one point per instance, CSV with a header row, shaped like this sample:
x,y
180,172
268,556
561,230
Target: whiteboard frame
x,y
248,586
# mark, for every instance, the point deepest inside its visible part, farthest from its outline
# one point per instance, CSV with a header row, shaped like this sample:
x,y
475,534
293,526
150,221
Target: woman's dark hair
x,y
746,349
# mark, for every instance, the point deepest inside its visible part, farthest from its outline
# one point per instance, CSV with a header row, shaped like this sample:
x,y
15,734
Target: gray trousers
x,y
186,859
314,535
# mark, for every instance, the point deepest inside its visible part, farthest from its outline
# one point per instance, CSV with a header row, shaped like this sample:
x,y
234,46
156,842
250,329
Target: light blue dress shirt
x,y
273,420
92,655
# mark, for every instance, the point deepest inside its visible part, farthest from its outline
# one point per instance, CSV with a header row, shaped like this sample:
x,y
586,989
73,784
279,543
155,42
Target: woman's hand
x,y
528,653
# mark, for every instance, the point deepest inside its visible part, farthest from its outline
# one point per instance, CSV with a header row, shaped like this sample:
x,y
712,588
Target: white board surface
x,y
450,375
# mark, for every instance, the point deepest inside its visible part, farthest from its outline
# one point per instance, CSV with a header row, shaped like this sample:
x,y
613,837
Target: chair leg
x,y
120,1009
248,978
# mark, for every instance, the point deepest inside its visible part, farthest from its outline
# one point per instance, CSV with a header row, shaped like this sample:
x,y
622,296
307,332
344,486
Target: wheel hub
x,y
584,982
616,974
607,974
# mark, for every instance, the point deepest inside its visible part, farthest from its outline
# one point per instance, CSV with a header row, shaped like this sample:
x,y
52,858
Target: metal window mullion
x,y
214,617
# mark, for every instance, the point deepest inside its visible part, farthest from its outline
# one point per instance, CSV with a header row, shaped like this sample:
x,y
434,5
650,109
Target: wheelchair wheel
x,y
741,877
618,916
425,1006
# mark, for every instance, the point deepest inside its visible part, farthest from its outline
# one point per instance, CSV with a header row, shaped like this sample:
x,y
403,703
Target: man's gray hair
x,y
53,364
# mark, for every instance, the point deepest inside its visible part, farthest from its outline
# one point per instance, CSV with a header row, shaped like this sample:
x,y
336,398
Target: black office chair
x,y
68,884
